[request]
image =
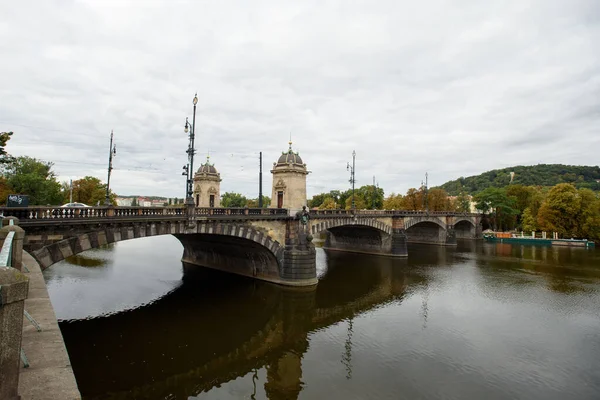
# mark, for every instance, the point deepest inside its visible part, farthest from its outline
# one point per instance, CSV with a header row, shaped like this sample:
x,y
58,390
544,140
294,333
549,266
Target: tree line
x,y
563,208
547,175
36,179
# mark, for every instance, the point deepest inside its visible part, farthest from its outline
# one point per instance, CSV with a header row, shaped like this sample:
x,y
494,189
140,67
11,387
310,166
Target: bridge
x,y
268,244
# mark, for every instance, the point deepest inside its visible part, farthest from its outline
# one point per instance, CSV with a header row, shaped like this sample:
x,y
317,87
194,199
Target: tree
x,y
253,203
528,221
560,211
89,190
328,204
437,200
372,196
498,204
463,202
35,178
5,190
413,200
134,202
359,202
393,202
318,199
231,199
4,138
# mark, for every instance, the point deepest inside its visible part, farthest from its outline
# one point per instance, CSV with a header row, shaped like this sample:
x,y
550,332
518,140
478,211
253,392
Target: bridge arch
x,y
52,251
465,228
412,221
319,226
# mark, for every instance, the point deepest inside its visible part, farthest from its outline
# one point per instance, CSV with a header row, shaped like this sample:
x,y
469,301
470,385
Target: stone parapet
x,y
13,292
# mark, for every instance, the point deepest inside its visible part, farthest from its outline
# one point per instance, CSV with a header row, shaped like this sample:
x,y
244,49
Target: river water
x,y
478,321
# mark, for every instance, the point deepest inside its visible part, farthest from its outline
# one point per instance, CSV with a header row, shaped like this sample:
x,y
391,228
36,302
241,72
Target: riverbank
x,y
49,375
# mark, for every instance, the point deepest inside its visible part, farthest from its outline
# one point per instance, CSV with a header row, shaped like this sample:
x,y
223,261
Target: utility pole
x,y
352,176
374,192
260,196
426,194
70,190
112,151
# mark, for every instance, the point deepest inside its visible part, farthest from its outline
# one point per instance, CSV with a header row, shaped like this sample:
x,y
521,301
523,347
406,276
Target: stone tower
x,y
289,182
207,186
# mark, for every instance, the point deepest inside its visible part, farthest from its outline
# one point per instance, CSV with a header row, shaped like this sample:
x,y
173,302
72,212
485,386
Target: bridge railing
x,y
340,212
206,211
58,213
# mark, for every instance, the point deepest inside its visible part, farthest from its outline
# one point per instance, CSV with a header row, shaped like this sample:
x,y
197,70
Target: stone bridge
x,y
267,244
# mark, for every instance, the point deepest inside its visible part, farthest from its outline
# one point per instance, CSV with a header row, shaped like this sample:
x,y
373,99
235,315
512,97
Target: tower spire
x,y
290,142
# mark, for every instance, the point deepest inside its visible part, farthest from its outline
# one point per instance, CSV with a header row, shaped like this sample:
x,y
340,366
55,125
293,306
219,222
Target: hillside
x,y
537,175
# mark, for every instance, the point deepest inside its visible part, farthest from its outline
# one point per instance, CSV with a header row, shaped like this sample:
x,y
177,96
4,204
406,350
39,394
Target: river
x,y
477,321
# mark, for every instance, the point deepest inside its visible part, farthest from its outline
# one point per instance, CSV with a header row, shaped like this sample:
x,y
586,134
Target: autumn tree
x,y
413,200
393,202
328,204
437,200
89,190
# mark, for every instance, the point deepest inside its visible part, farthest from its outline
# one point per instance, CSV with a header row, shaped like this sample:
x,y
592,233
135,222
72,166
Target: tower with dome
x,y
289,181
207,185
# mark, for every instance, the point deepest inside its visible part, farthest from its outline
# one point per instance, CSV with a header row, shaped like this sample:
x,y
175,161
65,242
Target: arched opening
x,y
426,232
464,230
359,239
230,254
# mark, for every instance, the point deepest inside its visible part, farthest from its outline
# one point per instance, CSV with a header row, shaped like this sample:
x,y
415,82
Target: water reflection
x,y
475,321
215,328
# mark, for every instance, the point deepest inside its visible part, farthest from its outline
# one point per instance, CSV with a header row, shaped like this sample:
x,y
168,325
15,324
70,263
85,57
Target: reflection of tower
x,y
347,356
425,307
284,377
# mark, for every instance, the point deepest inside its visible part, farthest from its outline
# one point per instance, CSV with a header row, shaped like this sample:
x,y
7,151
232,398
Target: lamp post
x,y
191,128
112,152
352,176
185,173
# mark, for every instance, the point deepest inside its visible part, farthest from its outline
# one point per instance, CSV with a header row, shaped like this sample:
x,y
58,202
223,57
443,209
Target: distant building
x,y
158,202
124,201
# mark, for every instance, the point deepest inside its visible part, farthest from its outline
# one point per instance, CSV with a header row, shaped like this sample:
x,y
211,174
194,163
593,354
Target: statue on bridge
x,y
304,217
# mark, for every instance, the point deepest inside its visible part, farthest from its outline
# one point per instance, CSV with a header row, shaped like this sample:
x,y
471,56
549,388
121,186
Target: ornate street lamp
x,y
112,152
189,200
352,176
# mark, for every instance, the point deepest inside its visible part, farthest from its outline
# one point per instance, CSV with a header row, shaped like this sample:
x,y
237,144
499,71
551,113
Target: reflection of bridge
x,y
215,330
266,244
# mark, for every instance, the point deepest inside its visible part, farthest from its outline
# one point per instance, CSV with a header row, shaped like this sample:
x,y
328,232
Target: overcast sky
x,y
454,88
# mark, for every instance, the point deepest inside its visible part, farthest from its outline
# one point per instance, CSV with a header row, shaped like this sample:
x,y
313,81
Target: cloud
x,y
454,89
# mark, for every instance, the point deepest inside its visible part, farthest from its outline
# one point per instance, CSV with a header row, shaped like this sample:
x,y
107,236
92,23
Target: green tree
x,y
463,202
35,178
4,156
528,221
318,199
588,224
231,199
135,204
372,195
499,206
560,211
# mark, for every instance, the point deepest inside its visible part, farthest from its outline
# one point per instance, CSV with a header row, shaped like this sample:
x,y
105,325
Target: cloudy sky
x,y
453,88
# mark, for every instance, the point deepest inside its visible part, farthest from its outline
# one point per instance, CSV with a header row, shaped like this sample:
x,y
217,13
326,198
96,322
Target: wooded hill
x,y
534,175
